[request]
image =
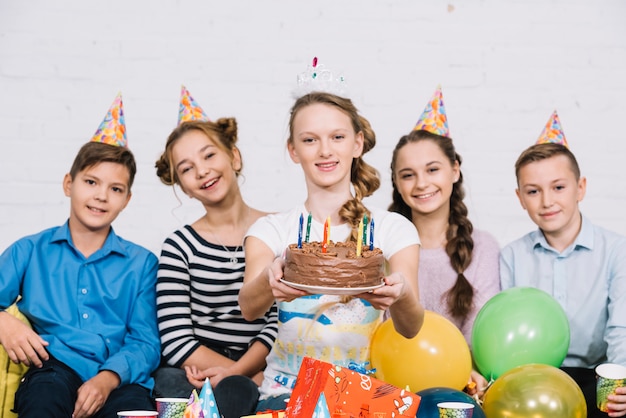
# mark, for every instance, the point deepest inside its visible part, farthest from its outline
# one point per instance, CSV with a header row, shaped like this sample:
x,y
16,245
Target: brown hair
x,y
363,176
223,132
93,153
460,244
540,152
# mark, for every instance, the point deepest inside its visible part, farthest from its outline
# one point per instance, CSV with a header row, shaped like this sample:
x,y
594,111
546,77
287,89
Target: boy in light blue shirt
x,y
581,265
88,294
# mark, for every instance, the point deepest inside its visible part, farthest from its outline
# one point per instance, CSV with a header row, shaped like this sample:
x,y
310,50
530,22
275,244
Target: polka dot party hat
x,y
189,109
553,132
434,119
112,130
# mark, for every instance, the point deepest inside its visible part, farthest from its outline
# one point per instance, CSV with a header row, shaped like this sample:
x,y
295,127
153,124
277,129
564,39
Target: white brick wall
x,y
504,66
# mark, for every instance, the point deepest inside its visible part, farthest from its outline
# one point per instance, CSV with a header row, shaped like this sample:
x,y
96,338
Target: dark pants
x,y
236,396
51,391
586,379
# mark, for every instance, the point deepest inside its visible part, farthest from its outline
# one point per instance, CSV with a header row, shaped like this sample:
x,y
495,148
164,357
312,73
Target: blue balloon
x,y
431,397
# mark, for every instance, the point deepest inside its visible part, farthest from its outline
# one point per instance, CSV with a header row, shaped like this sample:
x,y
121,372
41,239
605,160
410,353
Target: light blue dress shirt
x,y
96,313
588,279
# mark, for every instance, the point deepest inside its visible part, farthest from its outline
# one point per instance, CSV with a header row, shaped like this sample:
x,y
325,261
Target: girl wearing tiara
x,y
328,138
458,268
203,333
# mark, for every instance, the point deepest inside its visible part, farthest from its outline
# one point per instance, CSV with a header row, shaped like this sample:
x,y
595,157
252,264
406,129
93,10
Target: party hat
x,y
207,401
553,132
112,130
189,109
193,409
321,408
434,119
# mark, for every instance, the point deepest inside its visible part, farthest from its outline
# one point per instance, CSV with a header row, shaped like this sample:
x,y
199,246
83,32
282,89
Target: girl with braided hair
x,y
328,138
458,268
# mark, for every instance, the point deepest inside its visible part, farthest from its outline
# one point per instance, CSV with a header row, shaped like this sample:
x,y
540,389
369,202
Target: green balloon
x,y
519,326
537,391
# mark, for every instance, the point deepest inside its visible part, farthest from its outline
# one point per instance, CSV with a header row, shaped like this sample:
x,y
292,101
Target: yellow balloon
x,y
437,357
537,391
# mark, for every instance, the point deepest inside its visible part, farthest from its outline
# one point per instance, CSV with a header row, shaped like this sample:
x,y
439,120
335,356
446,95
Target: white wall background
x,y
504,66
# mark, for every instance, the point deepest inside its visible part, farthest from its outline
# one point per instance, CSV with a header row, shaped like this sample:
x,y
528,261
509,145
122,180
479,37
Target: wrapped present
x,y
267,414
326,390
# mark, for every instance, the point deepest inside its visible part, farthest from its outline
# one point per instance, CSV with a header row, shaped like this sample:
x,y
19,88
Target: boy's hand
x,y
94,392
215,374
617,403
21,343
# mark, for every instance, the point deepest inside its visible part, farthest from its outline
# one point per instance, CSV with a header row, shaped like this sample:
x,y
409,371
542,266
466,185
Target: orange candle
x,y
326,234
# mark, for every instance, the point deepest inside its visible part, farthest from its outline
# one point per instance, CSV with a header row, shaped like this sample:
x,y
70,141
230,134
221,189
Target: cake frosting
x,y
338,267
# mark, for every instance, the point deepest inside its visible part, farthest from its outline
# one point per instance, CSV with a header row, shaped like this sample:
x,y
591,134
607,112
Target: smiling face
x,y
549,191
204,171
324,144
98,194
424,177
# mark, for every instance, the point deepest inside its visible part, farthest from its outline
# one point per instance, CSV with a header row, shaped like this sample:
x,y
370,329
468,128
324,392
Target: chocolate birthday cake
x,y
337,267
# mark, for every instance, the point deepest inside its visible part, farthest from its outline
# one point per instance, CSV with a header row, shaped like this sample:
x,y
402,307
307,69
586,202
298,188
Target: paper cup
x,y
137,414
610,377
455,410
171,407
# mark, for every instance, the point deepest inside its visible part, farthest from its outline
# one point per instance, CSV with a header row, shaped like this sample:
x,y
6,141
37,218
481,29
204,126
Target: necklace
x,y
232,255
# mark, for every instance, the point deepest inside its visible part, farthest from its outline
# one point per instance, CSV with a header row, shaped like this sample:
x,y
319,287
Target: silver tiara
x,y
318,78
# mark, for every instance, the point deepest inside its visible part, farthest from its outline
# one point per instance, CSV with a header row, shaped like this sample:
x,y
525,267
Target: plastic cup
x,y
455,410
137,414
610,377
171,407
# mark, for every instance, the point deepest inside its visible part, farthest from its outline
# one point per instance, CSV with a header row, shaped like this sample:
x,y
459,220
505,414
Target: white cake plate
x,y
323,290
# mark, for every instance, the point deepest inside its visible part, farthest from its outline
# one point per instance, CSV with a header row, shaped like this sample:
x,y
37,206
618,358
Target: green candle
x,y
308,228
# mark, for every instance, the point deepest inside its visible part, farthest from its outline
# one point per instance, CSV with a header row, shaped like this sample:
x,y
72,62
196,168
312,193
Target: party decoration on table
x,y
316,78
518,326
339,391
535,390
112,129
553,132
137,414
434,118
207,401
189,109
267,414
171,407
193,408
432,396
610,377
437,356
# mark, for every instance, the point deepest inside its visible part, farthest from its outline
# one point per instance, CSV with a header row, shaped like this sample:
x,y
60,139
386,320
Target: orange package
x,y
341,391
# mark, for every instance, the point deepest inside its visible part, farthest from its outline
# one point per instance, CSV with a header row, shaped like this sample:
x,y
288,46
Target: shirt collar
x,y
113,243
584,239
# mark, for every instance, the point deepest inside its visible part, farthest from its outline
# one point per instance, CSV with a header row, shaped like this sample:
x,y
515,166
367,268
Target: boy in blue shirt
x,y
88,294
581,265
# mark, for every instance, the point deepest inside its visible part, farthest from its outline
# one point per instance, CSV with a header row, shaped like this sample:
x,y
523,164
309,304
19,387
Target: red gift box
x,y
353,394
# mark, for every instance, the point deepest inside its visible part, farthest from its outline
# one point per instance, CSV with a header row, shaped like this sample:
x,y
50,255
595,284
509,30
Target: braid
x,y
459,249
365,180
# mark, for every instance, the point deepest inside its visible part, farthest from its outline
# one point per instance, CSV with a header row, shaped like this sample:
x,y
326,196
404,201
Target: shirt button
x,y
85,316
84,291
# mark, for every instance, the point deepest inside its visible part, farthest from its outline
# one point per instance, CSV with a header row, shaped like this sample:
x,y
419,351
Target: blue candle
x,y
300,231
372,234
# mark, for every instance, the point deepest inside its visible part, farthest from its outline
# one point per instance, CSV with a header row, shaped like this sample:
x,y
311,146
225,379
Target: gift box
x,y
326,390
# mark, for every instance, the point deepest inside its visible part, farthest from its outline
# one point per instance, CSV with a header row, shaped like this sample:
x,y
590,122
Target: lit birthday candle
x,y
326,234
300,232
372,234
359,239
308,228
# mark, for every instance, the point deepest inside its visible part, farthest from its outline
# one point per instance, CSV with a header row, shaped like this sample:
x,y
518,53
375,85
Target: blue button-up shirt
x,y
96,313
588,279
